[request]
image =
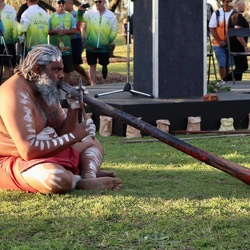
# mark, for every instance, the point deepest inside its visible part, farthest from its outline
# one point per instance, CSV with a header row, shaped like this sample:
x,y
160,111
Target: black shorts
x,y
103,57
77,49
12,51
68,64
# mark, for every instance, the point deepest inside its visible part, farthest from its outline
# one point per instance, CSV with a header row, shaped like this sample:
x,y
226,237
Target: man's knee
x,y
49,178
90,142
62,183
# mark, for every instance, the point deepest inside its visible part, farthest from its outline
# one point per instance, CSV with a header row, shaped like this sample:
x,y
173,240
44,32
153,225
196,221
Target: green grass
x,y
168,201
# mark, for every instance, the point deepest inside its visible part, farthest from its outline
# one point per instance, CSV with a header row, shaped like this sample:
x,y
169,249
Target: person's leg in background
x,y
92,74
223,62
92,61
240,62
241,66
125,39
104,61
68,67
77,49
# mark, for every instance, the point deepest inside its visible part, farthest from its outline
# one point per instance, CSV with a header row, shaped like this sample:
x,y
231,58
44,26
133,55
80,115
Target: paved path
x,y
239,91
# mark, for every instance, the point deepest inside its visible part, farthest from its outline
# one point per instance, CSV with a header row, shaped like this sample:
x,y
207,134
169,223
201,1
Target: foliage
x,y
112,4
217,4
168,201
214,87
117,6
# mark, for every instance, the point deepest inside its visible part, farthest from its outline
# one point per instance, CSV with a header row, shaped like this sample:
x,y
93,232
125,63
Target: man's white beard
x,y
48,89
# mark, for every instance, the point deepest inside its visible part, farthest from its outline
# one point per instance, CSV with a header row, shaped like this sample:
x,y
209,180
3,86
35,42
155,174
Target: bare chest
x,y
45,116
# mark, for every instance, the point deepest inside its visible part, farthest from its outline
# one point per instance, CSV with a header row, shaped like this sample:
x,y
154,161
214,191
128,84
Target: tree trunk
x,y
114,4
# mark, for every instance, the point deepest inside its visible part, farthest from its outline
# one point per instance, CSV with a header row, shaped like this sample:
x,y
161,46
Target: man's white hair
x,y
42,54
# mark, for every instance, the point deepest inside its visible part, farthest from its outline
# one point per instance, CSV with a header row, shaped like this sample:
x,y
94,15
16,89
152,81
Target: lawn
x,y
168,201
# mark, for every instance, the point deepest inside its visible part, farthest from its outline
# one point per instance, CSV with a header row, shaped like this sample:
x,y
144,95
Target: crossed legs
x,y
54,178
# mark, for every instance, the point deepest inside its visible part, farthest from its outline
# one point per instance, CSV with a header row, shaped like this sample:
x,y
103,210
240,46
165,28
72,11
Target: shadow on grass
x,y
168,177
200,183
177,184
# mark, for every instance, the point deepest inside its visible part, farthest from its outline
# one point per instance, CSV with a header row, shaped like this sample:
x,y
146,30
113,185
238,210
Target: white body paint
x,y
95,160
48,136
75,178
49,176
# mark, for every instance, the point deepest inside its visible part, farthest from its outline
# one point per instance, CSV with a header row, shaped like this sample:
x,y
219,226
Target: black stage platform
x,y
235,104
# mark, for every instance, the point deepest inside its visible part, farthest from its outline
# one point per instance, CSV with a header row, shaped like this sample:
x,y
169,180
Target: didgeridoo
x,y
238,171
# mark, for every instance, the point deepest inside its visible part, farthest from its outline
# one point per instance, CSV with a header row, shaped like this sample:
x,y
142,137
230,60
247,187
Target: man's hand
x,y
222,43
90,127
83,89
73,102
84,130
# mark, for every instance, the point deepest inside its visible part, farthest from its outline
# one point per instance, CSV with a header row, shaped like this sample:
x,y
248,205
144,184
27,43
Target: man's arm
x,y
24,23
62,32
240,22
80,14
22,8
72,30
113,30
27,126
216,37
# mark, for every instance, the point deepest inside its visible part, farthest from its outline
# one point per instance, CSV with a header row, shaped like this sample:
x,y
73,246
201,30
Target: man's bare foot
x,y
105,173
102,183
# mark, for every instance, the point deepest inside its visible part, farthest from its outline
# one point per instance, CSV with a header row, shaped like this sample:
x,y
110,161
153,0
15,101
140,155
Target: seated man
x,y
41,148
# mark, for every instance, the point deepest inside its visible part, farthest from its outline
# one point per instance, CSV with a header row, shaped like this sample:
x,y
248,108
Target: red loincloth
x,y
11,168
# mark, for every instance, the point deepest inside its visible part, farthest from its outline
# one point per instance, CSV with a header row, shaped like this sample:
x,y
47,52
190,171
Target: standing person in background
x,y
125,30
76,43
24,7
238,44
131,26
20,50
218,28
20,11
101,31
34,24
62,25
8,17
210,11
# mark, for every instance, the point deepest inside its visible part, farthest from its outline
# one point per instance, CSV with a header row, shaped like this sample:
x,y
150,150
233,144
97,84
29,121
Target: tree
x,y
114,4
48,4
